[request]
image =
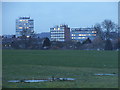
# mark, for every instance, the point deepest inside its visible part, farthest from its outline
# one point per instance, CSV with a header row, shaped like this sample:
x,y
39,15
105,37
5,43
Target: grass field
x,y
82,65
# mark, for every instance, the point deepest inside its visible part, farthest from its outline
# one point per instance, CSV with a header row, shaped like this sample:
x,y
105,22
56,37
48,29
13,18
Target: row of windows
x,y
58,28
22,29
25,20
79,29
83,35
25,24
57,37
57,32
79,37
25,27
84,32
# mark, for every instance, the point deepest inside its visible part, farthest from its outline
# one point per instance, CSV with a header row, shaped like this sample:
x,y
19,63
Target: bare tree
x,y
109,26
46,43
99,31
117,29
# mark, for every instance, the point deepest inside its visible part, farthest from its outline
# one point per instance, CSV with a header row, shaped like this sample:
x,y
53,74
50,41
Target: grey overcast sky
x,y
49,14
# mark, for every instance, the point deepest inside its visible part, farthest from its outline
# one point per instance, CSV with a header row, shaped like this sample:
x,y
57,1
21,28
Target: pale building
x,y
81,34
24,23
60,33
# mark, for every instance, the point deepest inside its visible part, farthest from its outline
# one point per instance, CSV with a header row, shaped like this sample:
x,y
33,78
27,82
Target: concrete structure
x,y
24,23
60,33
81,34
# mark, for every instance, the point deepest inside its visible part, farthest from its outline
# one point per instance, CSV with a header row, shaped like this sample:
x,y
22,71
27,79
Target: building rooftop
x,y
82,29
25,17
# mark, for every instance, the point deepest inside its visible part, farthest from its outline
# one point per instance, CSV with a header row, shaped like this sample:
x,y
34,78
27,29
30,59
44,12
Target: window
x,y
80,34
73,34
20,27
58,28
94,34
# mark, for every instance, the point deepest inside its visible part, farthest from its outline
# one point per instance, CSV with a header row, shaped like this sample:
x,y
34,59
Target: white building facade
x,y
81,34
60,33
24,23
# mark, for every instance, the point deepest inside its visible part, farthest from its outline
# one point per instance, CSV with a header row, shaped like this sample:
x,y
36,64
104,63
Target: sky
x,y
49,14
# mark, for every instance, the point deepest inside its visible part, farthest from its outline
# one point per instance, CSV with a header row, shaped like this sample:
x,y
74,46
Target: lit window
x,y
21,20
89,34
83,37
80,34
79,37
58,28
20,27
27,27
28,36
73,34
93,31
54,28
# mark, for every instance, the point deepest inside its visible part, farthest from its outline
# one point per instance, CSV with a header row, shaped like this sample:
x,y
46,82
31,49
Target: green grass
x,y
82,65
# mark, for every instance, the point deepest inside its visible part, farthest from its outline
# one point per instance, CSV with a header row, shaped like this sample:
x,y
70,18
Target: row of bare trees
x,y
104,30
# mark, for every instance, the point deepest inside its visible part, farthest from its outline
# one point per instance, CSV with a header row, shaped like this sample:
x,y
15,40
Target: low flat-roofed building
x,y
81,34
60,33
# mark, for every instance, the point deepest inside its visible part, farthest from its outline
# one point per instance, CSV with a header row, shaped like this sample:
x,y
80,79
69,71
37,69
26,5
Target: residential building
x,y
60,33
24,23
81,34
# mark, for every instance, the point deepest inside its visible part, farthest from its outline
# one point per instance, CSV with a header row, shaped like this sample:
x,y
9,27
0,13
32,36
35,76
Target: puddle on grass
x,y
49,79
58,79
106,74
27,80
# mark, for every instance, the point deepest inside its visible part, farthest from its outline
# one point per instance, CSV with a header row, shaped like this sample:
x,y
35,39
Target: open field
x,y
82,65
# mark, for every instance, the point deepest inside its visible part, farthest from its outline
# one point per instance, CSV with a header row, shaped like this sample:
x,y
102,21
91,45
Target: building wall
x,y
60,33
81,34
24,23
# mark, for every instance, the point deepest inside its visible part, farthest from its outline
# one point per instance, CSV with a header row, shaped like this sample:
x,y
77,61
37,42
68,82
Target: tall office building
x,y
60,33
81,34
24,23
